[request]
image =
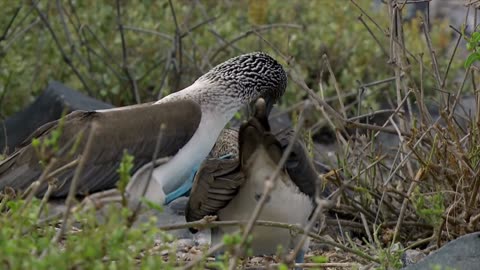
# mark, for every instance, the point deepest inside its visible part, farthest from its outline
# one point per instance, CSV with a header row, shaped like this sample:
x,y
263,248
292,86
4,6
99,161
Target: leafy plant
x,y
124,169
429,207
473,45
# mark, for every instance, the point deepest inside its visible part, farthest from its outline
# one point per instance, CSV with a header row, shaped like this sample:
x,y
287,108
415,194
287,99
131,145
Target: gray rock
x,y
462,253
412,256
46,108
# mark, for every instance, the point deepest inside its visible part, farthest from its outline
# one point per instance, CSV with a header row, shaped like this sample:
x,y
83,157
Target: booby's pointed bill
x,y
133,128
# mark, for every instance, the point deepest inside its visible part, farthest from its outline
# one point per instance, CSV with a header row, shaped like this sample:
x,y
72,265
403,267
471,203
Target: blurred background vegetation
x,y
79,44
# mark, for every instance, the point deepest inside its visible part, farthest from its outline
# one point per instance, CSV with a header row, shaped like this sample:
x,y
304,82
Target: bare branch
x,y
126,69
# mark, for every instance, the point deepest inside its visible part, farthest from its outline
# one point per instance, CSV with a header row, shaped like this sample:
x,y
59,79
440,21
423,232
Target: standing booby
x,y
231,188
193,118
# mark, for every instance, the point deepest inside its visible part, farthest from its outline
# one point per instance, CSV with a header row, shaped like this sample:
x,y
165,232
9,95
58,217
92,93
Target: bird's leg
x,y
300,258
184,189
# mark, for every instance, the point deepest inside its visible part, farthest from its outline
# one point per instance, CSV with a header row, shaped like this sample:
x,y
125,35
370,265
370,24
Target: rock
x,y
411,256
462,253
46,108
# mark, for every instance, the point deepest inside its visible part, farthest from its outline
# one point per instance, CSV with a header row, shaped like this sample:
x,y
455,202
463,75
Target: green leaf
x,y
152,205
35,142
475,37
471,59
320,259
123,170
469,46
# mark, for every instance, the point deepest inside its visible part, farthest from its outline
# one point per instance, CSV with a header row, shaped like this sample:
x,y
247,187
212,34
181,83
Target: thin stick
x,y
368,16
360,18
432,55
294,228
177,47
250,32
137,208
211,251
126,69
73,186
268,187
65,57
15,14
52,185
308,227
65,167
413,184
33,188
451,59
148,31
335,83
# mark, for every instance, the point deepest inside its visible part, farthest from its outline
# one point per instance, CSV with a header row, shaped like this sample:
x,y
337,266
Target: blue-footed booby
x,y
231,188
192,119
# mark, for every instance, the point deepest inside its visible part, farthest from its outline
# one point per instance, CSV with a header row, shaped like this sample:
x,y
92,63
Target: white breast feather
x,y
286,204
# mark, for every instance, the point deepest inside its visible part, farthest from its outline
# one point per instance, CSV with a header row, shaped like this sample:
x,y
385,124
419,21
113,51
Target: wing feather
x,y
133,128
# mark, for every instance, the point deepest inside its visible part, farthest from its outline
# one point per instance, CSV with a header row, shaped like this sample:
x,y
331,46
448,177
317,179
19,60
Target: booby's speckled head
x,y
248,77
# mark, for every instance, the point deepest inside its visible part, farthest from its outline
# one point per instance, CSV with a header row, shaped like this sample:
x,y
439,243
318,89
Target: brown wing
x,y
215,185
133,128
299,165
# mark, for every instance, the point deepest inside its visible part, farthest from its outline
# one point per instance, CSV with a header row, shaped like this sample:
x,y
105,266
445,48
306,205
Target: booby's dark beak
x,y
269,102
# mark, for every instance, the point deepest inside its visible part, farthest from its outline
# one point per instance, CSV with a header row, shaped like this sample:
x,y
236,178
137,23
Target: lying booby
x,y
231,188
192,119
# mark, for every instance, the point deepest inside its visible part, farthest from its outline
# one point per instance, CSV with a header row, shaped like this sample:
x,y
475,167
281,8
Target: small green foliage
x,y
152,205
282,266
429,207
390,259
320,259
54,138
232,239
473,45
35,143
280,250
50,145
126,165
389,256
106,244
36,146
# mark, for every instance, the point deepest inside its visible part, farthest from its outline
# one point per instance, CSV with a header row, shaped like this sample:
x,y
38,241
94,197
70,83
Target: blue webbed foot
x,y
184,189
